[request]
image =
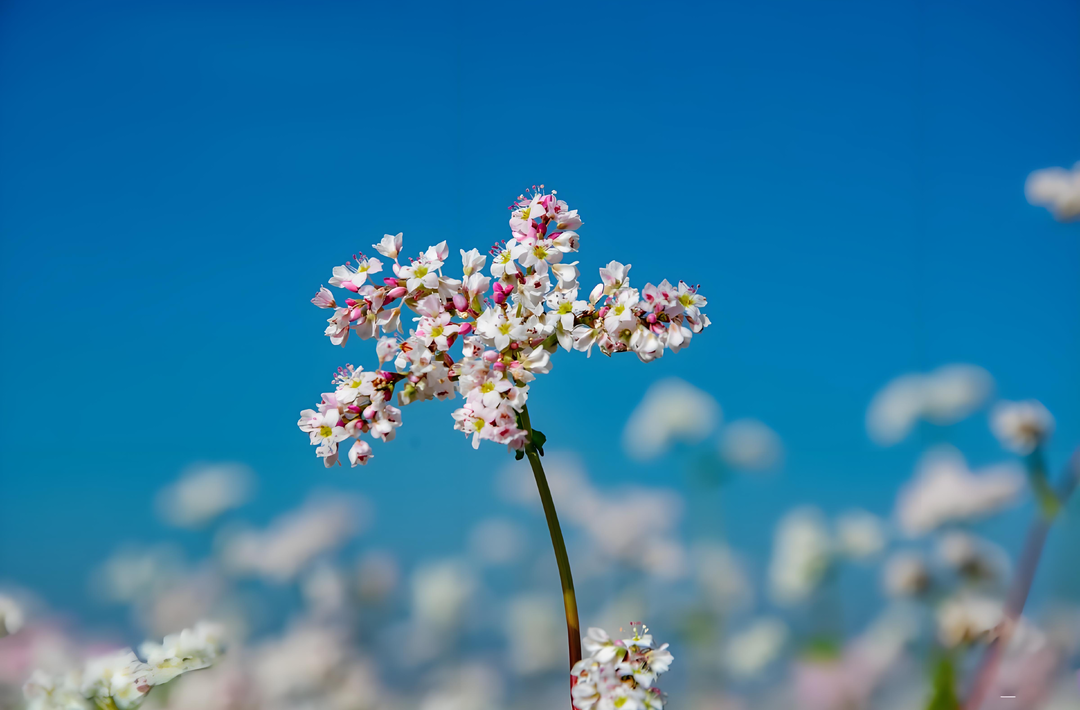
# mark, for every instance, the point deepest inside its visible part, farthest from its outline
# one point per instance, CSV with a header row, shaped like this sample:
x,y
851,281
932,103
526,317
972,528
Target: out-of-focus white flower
x,y
944,396
11,616
190,650
1057,189
860,534
905,575
801,555
471,686
750,445
672,410
204,492
971,557
945,490
325,590
621,673
750,651
134,574
721,576
441,591
298,664
533,626
120,680
1021,426
377,575
967,618
45,692
293,540
497,541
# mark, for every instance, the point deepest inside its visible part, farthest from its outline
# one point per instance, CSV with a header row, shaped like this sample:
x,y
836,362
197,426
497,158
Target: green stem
x,y
573,627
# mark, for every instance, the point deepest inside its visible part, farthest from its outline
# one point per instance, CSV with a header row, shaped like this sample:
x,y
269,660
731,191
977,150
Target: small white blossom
x,y
860,534
672,410
967,618
203,493
11,616
749,652
750,445
1021,426
801,556
945,490
620,674
1057,189
905,575
944,396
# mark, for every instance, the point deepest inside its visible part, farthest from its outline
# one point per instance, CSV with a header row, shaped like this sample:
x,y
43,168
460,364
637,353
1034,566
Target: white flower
x,y
377,575
801,555
189,650
672,410
619,674
971,557
905,575
352,277
496,541
1021,426
1057,189
533,627
44,692
203,493
860,534
390,246
291,541
750,445
721,576
945,490
967,618
441,591
11,616
750,651
944,396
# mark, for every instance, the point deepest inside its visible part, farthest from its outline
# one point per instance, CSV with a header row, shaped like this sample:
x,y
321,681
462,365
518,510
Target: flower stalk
x,y
534,449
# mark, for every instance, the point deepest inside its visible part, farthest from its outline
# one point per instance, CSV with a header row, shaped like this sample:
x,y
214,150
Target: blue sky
x,y
177,179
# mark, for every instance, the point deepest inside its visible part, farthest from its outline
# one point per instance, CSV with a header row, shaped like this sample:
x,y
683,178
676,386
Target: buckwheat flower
x,y
672,410
44,692
203,493
324,299
943,396
1057,189
11,616
190,650
860,534
945,490
620,674
972,558
801,555
967,618
750,445
120,677
1021,426
614,276
749,652
390,245
353,277
905,575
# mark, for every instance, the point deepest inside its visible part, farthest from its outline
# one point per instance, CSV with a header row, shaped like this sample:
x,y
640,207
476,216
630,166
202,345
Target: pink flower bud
x,y
603,312
491,355
465,328
460,302
354,409
351,286
514,346
397,292
369,413
355,314
651,318
499,297
500,366
350,302
390,281
414,378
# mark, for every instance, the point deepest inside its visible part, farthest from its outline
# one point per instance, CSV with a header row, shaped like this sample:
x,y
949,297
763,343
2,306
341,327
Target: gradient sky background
x,y
845,180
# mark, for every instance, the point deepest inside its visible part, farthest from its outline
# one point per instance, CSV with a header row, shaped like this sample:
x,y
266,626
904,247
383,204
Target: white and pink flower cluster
x,y
509,324
619,674
120,681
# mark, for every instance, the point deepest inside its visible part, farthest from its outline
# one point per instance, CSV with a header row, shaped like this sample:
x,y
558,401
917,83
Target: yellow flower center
x,y
325,431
